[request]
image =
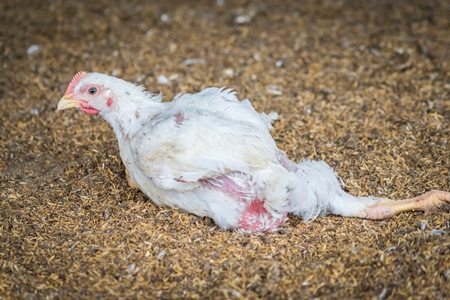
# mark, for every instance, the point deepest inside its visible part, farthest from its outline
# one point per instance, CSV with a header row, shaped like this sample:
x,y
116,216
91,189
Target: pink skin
x,y
179,118
255,216
227,185
87,108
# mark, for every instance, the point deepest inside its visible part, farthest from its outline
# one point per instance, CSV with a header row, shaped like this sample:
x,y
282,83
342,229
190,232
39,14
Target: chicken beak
x,y
67,102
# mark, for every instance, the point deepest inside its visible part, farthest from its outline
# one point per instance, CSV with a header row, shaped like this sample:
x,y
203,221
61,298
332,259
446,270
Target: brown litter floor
x,y
363,85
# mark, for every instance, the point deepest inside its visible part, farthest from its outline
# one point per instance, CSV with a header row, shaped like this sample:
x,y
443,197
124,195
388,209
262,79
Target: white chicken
x,y
212,155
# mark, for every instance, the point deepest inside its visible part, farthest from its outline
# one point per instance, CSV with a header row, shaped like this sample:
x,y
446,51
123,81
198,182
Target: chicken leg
x,y
386,208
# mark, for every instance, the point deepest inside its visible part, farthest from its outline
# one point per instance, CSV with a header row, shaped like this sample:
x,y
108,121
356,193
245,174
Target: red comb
x,y
74,81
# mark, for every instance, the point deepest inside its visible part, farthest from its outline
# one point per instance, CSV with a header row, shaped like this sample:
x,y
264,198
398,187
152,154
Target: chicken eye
x,y
92,91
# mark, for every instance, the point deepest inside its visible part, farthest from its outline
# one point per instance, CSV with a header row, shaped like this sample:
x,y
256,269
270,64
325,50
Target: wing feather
x,y
203,136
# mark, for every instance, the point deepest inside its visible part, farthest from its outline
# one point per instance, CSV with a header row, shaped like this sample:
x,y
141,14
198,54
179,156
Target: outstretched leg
x,y
372,208
385,208
318,192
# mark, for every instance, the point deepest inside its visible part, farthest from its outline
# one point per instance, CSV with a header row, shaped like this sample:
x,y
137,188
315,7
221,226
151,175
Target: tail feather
x,y
319,191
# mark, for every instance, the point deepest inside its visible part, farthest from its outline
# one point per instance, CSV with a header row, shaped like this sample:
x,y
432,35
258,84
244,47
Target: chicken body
x,y
212,155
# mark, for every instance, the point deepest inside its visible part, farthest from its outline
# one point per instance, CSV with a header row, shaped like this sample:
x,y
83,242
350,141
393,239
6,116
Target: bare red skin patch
x,y
109,102
179,118
256,218
74,82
